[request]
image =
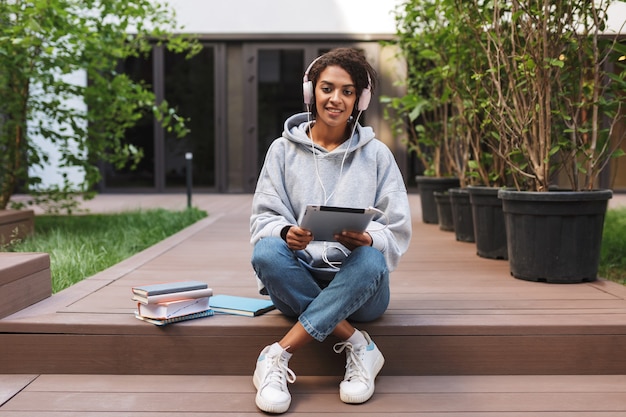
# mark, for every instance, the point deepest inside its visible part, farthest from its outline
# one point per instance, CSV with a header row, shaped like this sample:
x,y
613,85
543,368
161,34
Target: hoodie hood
x,y
296,128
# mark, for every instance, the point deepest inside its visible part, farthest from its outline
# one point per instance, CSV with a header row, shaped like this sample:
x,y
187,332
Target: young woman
x,y
325,157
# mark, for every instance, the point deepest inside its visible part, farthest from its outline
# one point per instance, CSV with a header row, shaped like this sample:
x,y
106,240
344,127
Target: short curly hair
x,y
353,61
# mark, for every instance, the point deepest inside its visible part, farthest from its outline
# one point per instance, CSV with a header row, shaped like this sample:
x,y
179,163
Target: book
x,y
243,306
174,296
168,287
171,309
163,322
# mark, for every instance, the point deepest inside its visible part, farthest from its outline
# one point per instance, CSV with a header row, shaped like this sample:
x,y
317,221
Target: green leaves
x,y
443,110
548,95
556,62
48,48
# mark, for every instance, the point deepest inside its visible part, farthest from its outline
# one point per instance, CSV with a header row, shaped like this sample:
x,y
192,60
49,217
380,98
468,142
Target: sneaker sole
x,y
358,399
270,407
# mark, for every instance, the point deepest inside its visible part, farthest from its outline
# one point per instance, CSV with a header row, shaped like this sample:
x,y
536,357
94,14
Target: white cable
x,y
343,160
382,213
317,170
334,265
345,154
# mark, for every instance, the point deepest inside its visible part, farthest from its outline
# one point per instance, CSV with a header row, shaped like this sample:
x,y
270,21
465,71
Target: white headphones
x,y
308,93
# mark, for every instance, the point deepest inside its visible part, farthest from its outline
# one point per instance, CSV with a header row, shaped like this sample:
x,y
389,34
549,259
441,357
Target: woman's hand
x,y
353,240
298,238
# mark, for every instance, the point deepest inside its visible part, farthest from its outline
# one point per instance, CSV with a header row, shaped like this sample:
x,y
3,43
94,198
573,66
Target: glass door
x,y
190,90
279,94
141,136
193,87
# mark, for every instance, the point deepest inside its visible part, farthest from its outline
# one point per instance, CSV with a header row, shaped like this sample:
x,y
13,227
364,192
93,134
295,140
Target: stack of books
x,y
172,302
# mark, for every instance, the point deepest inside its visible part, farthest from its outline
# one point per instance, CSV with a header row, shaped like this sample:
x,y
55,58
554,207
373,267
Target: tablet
x,y
326,221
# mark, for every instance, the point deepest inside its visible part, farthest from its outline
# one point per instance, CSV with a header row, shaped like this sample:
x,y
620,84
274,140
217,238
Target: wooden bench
x,y
24,280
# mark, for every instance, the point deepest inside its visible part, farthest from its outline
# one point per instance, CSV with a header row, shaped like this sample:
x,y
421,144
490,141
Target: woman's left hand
x,y
353,240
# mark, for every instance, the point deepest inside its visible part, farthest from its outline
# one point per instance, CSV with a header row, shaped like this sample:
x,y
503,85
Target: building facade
x,y
246,81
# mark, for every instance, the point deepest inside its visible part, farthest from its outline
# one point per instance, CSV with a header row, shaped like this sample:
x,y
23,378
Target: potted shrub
x,y
424,113
457,52
441,111
554,99
477,211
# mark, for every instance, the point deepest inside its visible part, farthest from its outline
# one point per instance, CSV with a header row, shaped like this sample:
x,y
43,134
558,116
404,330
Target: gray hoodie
x,y
289,181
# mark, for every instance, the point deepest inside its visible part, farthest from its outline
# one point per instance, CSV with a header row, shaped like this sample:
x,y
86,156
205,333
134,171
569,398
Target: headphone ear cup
x,y
364,100
307,92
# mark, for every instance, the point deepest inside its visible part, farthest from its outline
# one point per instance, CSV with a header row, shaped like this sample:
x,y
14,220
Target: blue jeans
x,y
358,292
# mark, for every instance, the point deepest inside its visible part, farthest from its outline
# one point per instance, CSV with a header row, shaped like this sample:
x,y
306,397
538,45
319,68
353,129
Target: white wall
x,y
617,17
50,173
297,16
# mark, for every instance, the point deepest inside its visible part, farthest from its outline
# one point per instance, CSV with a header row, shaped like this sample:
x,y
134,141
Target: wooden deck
x,y
461,338
219,396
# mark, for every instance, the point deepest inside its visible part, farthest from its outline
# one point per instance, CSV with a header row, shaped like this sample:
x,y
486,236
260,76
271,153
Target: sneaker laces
x,y
279,373
354,362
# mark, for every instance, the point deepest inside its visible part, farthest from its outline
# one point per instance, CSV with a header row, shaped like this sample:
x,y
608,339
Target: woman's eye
x,y
326,89
348,92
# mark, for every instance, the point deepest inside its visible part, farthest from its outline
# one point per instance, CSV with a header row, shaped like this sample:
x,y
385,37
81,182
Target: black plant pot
x,y
426,186
554,236
462,214
444,211
489,229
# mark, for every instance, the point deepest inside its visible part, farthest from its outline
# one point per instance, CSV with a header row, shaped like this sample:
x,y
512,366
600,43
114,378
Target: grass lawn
x,y
613,258
82,245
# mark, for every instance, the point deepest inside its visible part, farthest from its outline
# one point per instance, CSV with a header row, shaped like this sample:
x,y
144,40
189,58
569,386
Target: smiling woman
x,y
326,157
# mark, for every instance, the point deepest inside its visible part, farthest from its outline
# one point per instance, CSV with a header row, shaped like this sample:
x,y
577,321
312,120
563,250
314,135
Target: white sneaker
x,y
363,363
270,379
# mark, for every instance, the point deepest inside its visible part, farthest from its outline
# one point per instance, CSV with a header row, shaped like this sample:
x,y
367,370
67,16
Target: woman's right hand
x,y
298,238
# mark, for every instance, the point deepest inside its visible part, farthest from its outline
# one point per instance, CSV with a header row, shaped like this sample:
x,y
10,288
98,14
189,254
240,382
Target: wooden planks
x,y
432,396
451,312
11,385
460,316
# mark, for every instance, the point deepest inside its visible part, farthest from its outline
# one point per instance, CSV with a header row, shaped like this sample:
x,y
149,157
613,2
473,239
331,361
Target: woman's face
x,y
335,96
